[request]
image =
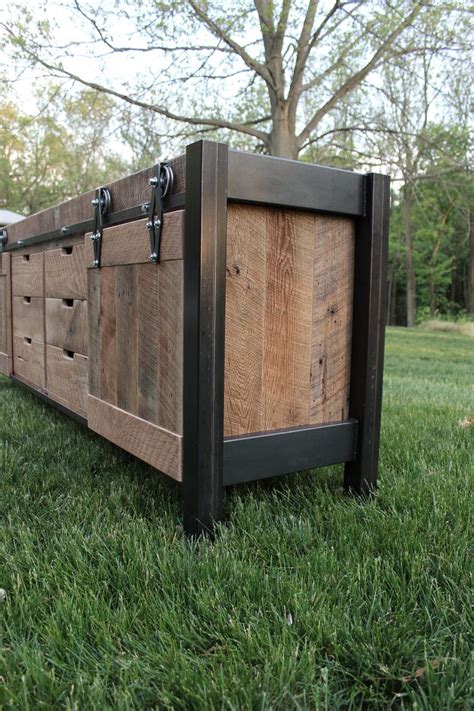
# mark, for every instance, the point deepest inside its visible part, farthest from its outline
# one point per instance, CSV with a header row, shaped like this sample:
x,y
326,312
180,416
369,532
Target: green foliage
x,y
59,152
306,600
444,195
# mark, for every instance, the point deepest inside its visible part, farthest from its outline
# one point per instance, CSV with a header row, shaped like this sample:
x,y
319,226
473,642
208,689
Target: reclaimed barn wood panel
x,y
67,378
135,340
152,444
66,324
65,273
29,360
130,243
27,274
6,346
332,319
289,286
28,317
3,326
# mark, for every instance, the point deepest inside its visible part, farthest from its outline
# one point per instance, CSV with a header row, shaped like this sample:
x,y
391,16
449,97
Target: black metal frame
x,y
209,461
204,323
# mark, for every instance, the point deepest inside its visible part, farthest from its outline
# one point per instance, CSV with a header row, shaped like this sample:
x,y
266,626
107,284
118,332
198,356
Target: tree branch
x,y
237,48
356,78
246,128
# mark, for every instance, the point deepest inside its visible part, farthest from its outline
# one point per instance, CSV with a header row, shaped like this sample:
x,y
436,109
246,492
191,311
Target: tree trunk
x,y
283,136
411,283
470,284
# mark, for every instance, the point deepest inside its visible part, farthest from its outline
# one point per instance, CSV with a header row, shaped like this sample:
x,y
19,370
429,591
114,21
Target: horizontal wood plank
x,y
154,445
130,243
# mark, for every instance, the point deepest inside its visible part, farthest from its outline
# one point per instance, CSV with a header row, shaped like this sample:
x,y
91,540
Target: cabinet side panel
x,y
288,318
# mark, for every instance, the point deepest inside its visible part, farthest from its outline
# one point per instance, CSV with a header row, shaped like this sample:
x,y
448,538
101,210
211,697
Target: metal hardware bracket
x,y
3,238
101,204
161,185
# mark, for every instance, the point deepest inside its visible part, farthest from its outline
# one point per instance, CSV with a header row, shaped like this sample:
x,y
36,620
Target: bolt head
x,y
95,263
145,206
157,223
95,202
64,230
153,257
153,181
149,225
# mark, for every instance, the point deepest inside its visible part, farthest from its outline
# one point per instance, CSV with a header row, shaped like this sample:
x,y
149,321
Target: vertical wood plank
x,y
93,309
108,339
3,314
148,314
245,309
289,246
170,346
127,336
332,318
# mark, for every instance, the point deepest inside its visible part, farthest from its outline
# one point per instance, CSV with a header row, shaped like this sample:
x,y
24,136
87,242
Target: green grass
x,y
307,598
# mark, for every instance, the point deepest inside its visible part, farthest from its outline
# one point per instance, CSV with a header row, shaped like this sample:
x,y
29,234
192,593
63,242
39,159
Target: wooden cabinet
x,y
252,347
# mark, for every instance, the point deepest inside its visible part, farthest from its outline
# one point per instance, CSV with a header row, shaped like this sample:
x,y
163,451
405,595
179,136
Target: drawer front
x,y
66,273
66,324
27,275
68,378
28,317
28,360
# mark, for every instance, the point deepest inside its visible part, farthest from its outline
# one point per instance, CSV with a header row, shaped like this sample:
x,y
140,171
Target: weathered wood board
x,y
135,340
66,324
67,378
288,318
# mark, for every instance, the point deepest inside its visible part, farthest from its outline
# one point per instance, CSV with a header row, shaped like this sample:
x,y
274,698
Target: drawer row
x,y
57,322
57,273
63,374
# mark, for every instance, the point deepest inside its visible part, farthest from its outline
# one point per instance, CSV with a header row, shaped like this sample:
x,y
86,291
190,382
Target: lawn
x,y
306,599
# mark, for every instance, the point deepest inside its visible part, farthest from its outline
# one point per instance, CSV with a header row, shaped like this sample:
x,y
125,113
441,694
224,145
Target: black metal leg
x,y
368,334
204,323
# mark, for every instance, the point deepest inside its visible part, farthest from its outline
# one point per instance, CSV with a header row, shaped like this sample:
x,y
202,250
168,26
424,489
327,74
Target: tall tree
x,y
247,67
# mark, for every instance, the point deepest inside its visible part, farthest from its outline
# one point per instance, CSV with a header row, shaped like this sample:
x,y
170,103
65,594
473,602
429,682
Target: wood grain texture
x,y
126,192
28,317
94,278
332,319
107,344
65,273
67,325
3,314
245,311
6,329
29,360
67,378
135,340
287,271
130,243
289,248
27,274
127,337
154,445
